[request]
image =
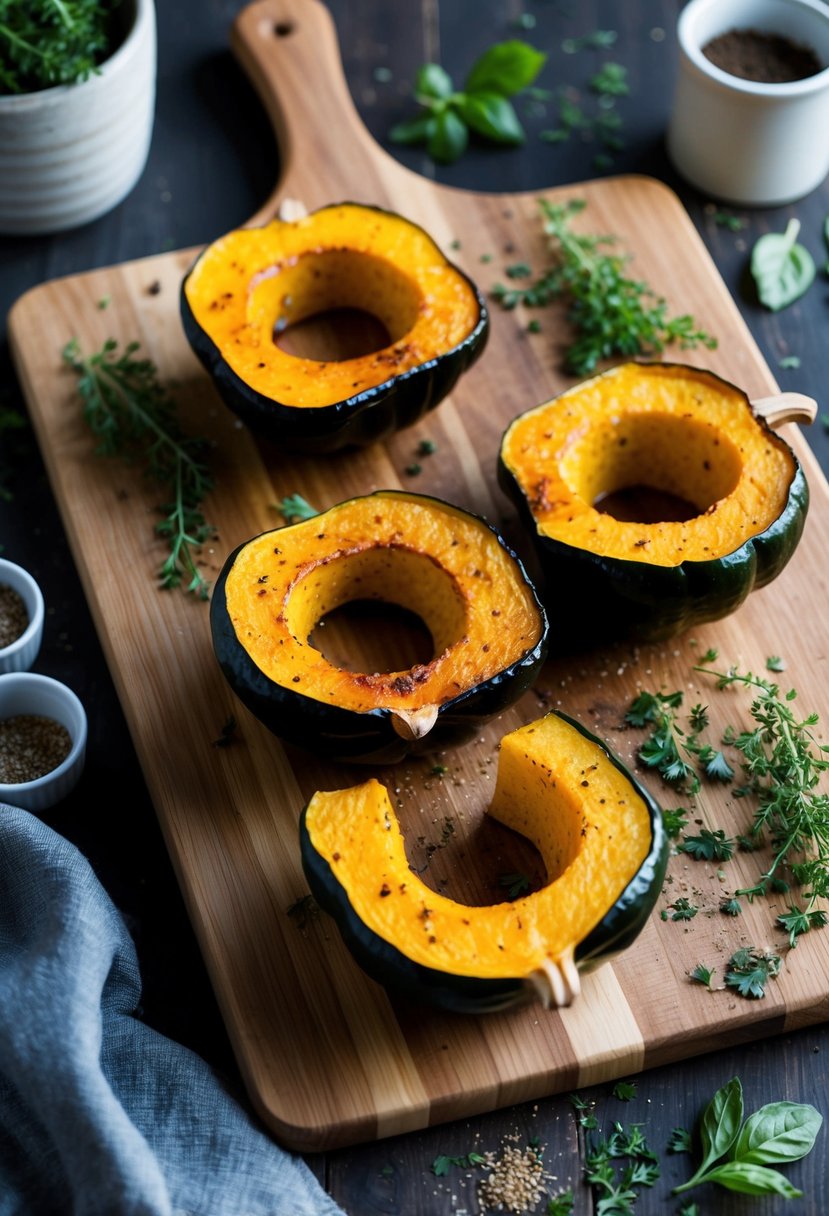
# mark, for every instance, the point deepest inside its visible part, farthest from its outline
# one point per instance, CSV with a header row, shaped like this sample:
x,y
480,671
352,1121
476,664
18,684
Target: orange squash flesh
x,y
436,560
675,429
252,283
583,813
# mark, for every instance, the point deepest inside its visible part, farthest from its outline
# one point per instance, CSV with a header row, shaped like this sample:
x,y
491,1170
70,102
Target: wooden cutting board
x,y
328,1058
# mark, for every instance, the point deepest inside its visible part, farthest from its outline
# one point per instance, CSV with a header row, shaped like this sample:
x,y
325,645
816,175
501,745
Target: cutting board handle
x,y
290,53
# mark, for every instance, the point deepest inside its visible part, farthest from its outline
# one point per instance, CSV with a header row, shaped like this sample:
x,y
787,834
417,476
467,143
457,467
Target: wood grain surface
x,y
328,1058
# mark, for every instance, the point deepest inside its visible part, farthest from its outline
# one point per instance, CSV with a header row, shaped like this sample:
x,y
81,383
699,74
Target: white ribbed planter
x,y
70,154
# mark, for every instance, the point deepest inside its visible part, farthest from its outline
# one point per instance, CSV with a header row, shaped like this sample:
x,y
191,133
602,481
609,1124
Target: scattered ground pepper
x,y
14,618
31,745
758,55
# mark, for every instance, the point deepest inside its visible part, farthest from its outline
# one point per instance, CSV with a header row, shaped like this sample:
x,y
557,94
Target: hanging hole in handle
x,y
283,29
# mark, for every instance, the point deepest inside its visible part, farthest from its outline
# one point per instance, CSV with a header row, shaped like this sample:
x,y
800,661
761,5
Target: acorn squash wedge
x,y
655,497
603,843
246,288
449,567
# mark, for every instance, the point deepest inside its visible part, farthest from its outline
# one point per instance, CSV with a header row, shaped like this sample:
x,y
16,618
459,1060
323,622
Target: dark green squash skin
x,y
416,984
365,418
594,598
336,733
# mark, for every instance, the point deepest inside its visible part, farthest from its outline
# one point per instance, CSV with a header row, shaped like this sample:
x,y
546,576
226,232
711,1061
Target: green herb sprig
x,y
783,764
51,42
749,970
516,884
611,313
442,1163
737,1155
131,413
294,508
677,754
708,845
483,106
617,1189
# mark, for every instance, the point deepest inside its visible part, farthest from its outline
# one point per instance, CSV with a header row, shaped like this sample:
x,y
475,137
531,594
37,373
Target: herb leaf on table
x,y
781,268
776,1133
131,413
483,106
749,970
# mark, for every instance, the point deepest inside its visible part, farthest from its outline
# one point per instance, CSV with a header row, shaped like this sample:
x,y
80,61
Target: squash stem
x,y
414,723
556,982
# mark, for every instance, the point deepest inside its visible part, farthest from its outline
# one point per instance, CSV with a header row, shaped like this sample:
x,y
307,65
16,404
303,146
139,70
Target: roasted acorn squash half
x,y
603,843
656,499
449,567
251,284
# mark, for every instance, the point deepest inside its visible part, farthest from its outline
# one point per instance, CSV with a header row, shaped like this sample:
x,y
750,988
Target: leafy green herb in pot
x,y
483,106
52,42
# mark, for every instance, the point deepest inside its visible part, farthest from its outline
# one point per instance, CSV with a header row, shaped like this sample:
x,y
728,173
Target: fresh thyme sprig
x,y
783,763
133,416
611,313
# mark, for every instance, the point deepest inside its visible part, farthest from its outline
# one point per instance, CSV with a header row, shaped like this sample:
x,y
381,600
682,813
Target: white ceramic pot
x,y
740,141
21,653
70,154
25,692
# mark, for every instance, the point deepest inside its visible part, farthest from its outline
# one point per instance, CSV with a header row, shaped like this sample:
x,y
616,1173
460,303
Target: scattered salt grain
x,y
516,1181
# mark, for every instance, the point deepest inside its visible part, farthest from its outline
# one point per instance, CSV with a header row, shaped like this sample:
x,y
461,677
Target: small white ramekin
x,y
740,141
25,692
20,654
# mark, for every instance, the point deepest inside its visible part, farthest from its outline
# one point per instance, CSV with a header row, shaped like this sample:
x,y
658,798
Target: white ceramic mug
x,y
71,153
738,140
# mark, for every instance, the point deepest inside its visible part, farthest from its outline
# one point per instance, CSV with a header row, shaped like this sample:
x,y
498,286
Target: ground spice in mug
x,y
14,619
762,57
31,746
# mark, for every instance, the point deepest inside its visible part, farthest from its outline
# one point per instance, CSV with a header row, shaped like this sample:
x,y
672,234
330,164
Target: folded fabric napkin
x,y
99,1113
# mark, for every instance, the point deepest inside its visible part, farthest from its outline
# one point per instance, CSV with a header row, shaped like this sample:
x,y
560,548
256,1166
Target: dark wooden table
x,y
213,162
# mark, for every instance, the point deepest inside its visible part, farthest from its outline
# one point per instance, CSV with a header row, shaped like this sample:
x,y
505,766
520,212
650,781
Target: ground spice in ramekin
x,y
31,745
14,619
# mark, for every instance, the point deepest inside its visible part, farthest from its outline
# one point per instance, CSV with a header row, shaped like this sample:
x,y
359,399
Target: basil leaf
x,y
433,81
780,1131
782,269
721,1121
506,68
752,1180
491,115
449,139
415,131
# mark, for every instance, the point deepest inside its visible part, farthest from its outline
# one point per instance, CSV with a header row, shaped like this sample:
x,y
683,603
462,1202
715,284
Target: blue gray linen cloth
x,y
99,1113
